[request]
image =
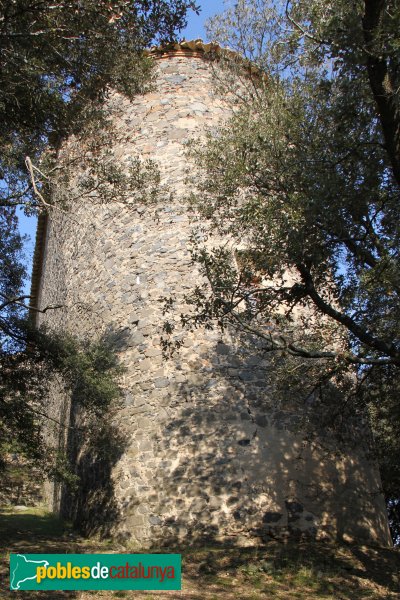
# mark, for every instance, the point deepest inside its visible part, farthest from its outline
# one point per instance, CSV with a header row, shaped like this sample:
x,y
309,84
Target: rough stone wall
x,y
210,450
21,483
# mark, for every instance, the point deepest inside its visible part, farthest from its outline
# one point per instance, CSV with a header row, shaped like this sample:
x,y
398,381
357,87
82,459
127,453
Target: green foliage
x,y
305,182
12,273
58,63
303,177
89,374
88,171
58,59
89,369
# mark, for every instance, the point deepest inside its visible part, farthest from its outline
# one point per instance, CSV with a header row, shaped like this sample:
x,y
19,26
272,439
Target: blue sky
x,y
194,30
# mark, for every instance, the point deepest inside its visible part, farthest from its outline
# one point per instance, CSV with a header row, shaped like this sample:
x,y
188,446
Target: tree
x,y
58,61
56,58
12,273
305,178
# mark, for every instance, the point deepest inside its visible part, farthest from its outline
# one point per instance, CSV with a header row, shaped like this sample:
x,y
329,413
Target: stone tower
x,y
208,452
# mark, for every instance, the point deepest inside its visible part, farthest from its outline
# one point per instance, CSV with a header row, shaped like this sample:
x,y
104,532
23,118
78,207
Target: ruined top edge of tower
x,y
199,49
185,48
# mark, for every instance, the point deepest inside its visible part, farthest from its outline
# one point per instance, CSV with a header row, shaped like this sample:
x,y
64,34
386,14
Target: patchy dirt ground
x,y
277,571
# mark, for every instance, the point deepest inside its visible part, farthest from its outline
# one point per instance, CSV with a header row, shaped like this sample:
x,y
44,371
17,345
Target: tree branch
x,y
373,342
9,301
30,168
18,302
297,25
381,83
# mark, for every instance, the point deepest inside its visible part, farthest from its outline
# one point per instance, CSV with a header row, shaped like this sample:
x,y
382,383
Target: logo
x,y
95,571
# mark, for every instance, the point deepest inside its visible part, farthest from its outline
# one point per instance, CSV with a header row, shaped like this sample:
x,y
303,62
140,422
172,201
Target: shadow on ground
x,y
275,570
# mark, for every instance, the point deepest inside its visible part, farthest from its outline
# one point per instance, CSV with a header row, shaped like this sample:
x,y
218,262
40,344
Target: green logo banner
x,y
95,572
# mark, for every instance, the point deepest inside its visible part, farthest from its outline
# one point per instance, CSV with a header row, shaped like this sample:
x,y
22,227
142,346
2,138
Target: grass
x,y
30,522
303,571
